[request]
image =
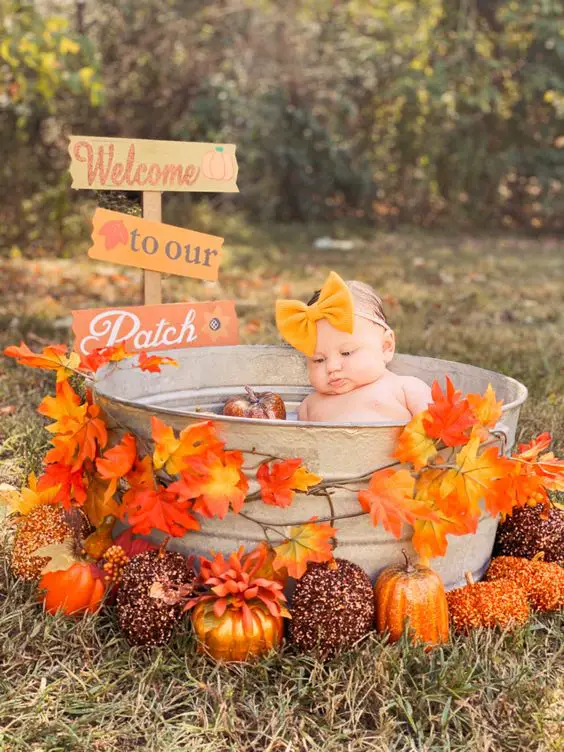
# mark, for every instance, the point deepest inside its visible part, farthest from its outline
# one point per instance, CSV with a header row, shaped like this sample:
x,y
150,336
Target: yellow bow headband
x,y
296,320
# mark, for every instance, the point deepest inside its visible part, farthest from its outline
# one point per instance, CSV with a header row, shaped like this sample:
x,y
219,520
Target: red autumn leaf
x,y
114,233
132,545
71,484
279,481
309,542
51,358
389,499
157,508
450,416
214,482
515,489
153,363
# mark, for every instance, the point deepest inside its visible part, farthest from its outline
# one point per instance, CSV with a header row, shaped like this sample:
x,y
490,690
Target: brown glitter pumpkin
x,y
332,608
542,581
415,593
146,620
525,533
45,524
487,604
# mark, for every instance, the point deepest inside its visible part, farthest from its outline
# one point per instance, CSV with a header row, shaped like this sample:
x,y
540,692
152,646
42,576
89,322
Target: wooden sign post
x,y
152,167
152,209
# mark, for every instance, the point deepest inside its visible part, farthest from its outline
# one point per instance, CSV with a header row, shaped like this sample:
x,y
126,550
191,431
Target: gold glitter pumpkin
x,y
43,525
226,639
416,594
543,582
487,604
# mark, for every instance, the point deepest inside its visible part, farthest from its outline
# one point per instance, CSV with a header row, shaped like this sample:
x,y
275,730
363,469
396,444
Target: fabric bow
x,y
296,320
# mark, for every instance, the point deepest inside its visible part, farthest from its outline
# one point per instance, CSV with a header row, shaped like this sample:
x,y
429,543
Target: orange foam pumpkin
x,y
75,590
415,593
217,165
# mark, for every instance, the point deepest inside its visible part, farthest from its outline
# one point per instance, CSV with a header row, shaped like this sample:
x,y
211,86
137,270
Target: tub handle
x,y
501,428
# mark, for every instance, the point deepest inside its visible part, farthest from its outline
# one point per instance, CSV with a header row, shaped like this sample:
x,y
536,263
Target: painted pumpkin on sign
x,y
217,165
415,593
75,590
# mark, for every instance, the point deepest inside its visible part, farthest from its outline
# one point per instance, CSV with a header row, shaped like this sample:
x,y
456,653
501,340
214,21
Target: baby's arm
x,y
417,394
302,410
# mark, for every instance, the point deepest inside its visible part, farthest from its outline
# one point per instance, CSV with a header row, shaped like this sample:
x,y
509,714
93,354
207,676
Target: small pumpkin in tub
x,y
267,405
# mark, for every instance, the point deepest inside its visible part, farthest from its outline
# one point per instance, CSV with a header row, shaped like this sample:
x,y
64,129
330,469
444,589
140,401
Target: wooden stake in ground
x,y
152,209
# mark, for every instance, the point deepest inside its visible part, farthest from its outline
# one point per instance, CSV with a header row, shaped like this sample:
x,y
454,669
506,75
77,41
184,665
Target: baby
x,y
348,343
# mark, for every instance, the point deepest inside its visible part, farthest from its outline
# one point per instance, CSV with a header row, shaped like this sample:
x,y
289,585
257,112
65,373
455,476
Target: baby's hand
x,y
417,394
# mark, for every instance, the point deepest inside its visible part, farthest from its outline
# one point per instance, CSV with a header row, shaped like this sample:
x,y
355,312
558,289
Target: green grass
x,y
491,301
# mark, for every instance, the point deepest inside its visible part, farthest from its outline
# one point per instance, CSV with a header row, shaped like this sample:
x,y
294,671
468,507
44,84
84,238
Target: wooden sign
x,y
133,241
150,328
128,164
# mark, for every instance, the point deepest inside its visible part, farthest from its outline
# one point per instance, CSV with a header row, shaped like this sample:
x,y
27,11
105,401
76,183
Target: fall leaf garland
x,y
449,470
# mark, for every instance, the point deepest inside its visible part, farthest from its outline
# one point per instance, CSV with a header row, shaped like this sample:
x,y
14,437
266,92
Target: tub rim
x,y
522,393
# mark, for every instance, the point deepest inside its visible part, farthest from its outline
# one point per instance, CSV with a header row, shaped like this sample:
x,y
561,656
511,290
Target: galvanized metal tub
x,y
206,376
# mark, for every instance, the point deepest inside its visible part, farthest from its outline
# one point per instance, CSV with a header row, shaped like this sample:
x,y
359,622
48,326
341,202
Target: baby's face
x,y
343,362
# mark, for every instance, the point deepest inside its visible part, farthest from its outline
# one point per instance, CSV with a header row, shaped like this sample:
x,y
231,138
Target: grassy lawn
x,y
495,302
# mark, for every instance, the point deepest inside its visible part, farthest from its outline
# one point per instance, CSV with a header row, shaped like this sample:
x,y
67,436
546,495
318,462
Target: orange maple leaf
x,y
430,535
65,408
414,446
114,233
174,453
279,481
389,499
83,443
485,408
309,542
515,489
153,363
117,463
51,358
71,487
551,469
450,417
475,474
159,509
98,504
214,482
529,452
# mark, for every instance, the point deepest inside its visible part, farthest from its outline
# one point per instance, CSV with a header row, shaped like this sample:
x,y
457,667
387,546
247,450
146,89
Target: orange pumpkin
x,y
75,590
416,593
217,165
225,638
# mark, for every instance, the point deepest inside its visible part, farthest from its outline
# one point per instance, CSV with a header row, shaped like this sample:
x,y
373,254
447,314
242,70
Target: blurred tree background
x,y
427,112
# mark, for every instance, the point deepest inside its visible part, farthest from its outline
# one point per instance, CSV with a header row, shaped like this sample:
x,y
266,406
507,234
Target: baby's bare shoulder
x,y
417,393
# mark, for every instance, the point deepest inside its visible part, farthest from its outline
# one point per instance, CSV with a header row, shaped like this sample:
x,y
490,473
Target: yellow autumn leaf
x,y
68,46
86,75
302,479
